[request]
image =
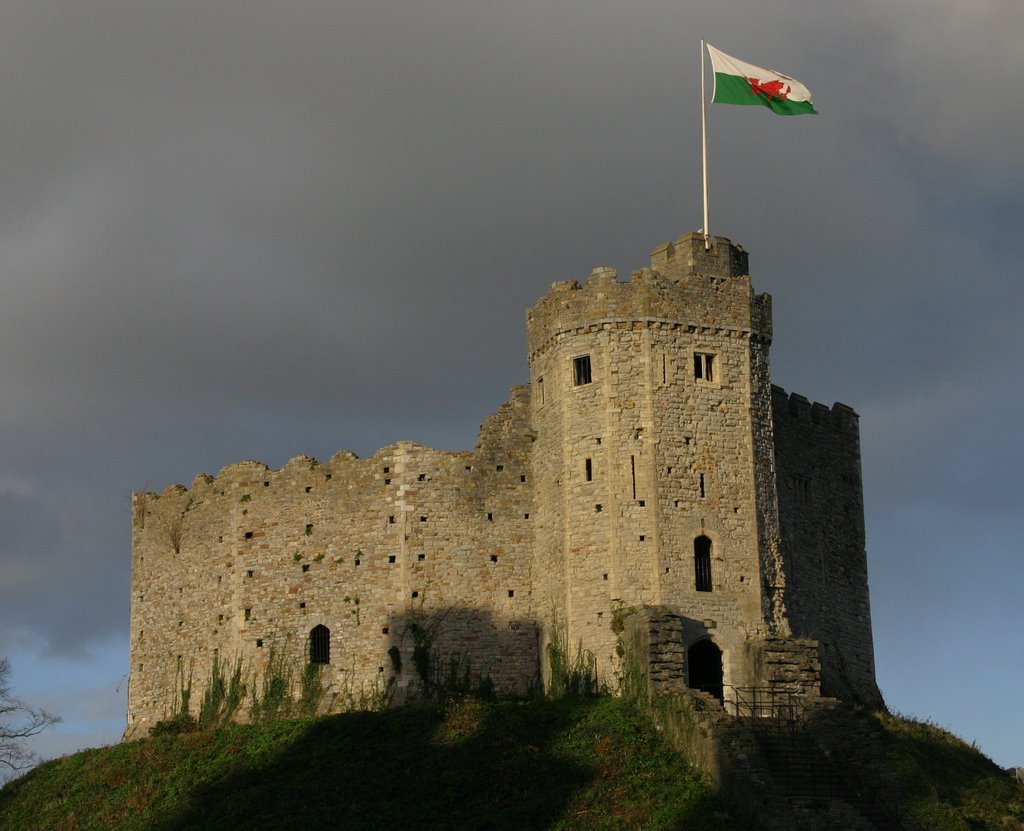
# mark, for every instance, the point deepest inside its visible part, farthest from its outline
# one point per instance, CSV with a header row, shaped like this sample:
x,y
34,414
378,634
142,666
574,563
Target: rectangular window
x,y
704,366
588,470
581,370
540,390
801,490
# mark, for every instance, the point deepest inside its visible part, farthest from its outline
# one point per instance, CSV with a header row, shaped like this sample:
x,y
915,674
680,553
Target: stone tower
x,y
653,465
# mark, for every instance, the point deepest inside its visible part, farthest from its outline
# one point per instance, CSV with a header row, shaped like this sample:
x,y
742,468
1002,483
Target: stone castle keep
x,y
649,471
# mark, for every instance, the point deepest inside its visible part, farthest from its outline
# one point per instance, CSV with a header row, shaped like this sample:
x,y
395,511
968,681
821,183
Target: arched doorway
x,y
704,667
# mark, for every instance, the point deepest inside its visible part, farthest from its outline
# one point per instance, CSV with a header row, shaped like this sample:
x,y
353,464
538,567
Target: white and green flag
x,y
738,82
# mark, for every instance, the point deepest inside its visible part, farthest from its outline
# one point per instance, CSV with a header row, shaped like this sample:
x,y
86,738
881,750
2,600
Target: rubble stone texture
x,y
649,463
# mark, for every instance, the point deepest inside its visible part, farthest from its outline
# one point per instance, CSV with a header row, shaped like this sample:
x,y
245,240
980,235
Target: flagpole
x,y
704,149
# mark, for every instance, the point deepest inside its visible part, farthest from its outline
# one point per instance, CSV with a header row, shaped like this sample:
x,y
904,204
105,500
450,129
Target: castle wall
x,y
821,507
366,547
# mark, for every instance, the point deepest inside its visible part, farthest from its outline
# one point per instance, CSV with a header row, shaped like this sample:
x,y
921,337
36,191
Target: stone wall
x,y
254,558
821,506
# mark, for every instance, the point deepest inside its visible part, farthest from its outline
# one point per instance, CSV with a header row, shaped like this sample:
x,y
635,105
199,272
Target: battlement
x,y
840,417
686,285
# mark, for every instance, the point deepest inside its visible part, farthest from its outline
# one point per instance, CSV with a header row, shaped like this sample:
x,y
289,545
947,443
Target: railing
x,y
784,715
765,707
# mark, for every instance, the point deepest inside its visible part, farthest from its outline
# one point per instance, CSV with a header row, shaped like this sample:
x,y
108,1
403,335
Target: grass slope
x,y
949,785
567,764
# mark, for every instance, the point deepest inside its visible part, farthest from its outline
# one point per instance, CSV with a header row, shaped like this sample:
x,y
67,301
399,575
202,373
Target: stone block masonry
x,y
647,463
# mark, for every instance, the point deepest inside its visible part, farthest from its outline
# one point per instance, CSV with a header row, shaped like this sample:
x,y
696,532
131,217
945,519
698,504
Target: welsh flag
x,y
737,82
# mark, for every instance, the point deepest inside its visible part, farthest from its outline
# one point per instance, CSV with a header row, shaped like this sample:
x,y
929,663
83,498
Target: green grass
x,y
591,764
568,764
948,784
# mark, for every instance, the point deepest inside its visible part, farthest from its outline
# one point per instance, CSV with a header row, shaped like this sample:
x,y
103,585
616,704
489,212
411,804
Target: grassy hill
x,y
565,764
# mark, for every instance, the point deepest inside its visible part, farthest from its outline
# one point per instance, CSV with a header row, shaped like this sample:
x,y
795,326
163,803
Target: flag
x,y
737,82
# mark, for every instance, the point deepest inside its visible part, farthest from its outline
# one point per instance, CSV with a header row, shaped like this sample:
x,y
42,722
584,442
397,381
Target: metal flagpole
x,y
704,149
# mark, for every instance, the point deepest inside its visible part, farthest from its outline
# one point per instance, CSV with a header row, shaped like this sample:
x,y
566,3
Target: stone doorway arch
x,y
704,667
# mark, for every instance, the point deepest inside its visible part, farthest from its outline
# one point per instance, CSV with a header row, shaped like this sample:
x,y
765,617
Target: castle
x,y
648,468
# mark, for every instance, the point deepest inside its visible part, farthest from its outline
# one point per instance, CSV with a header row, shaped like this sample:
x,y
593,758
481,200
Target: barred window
x,y
581,370
320,645
702,563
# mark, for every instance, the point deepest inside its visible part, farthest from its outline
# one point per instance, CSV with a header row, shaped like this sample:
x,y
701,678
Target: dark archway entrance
x,y
704,667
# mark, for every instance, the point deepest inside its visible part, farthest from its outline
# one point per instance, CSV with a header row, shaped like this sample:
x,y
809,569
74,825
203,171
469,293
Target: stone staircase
x,y
817,794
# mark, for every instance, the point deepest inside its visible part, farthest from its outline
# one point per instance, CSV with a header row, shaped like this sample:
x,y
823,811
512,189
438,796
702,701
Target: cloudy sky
x,y
252,229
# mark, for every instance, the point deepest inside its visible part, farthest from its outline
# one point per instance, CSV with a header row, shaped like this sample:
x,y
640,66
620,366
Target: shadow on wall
x,y
460,650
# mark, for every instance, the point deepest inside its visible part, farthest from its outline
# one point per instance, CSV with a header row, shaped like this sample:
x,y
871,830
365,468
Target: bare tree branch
x,y
18,722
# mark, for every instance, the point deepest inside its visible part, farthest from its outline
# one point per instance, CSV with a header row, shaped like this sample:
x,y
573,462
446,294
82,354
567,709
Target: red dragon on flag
x,y
772,90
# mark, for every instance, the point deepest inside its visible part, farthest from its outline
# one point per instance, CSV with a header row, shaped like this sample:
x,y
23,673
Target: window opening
x,y
319,644
540,390
588,470
801,490
581,371
704,366
702,493
702,563
632,473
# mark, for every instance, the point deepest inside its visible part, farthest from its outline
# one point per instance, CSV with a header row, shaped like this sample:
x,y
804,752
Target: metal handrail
x,y
765,706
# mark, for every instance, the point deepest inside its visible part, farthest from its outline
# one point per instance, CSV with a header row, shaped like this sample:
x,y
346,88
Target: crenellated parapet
x,y
839,417
702,292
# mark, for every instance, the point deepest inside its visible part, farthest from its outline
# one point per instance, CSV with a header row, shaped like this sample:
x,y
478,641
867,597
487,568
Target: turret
x,y
653,461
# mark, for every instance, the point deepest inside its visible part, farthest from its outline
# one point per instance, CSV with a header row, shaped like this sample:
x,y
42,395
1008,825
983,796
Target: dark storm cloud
x,y
235,230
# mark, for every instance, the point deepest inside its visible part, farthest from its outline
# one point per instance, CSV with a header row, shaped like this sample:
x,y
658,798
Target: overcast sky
x,y
234,230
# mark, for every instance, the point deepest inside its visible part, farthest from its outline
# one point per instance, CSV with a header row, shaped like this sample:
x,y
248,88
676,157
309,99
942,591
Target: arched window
x,y
702,563
320,645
